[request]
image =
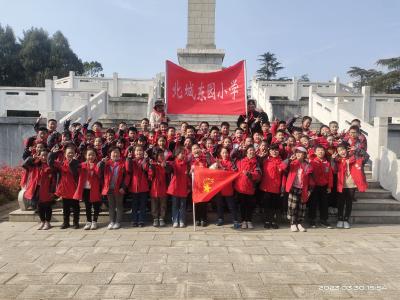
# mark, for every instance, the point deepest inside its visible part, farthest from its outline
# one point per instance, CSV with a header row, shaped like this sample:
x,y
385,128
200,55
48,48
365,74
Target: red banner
x,y
215,93
207,183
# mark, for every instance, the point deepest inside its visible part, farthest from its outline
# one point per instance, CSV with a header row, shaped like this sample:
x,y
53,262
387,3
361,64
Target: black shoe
x,y
267,225
134,224
220,222
141,224
64,226
326,224
76,226
275,225
204,223
313,224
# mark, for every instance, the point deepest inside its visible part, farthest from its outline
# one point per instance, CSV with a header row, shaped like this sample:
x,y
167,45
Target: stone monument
x,y
200,54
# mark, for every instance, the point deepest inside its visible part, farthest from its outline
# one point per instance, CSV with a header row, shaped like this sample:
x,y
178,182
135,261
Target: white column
x,y
378,139
312,89
48,85
115,85
72,79
337,84
294,89
366,103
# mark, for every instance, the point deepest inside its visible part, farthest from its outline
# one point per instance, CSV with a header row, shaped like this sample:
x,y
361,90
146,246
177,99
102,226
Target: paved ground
x,y
209,263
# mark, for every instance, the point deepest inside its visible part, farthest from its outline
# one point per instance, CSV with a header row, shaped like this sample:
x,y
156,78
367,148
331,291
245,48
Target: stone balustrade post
x,y
366,103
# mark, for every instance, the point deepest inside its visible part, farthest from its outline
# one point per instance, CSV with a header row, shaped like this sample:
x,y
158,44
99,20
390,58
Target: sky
x,y
134,38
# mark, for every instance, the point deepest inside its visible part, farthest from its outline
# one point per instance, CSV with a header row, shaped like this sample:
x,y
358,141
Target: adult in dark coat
x,y
254,118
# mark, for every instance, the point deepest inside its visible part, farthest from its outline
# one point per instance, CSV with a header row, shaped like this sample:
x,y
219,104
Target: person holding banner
x,y
253,116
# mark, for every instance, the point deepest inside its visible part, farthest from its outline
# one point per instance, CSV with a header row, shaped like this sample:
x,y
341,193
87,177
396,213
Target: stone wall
x,y
284,109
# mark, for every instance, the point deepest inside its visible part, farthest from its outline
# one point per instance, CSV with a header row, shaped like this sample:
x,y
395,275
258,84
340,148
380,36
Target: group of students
x,y
283,168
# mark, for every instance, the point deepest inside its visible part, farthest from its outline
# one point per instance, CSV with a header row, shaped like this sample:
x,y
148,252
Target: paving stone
x,y
230,258
87,278
319,292
169,277
118,267
27,268
159,291
247,250
168,250
106,257
210,267
257,258
11,291
207,250
188,258
49,291
48,278
190,243
79,243
4,277
136,278
104,292
267,291
129,250
285,277
71,267
214,290
160,268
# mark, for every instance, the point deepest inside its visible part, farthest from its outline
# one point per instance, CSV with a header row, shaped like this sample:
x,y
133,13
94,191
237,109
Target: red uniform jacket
x,y
272,170
68,172
227,165
158,179
38,175
106,171
306,177
137,177
322,172
356,172
245,184
92,176
180,181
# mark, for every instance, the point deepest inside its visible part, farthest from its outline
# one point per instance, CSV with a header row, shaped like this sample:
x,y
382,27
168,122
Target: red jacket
x,y
356,172
137,177
306,177
106,173
228,166
158,179
38,175
322,172
245,184
92,176
68,172
180,181
272,170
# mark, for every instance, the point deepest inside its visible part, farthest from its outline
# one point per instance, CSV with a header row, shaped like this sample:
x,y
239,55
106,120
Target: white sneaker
x,y
116,226
175,225
46,226
110,226
293,228
161,222
346,225
93,226
41,225
244,225
250,225
339,224
182,225
301,228
87,226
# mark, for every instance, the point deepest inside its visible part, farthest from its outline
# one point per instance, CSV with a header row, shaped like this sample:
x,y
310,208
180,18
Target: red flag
x,y
215,93
207,183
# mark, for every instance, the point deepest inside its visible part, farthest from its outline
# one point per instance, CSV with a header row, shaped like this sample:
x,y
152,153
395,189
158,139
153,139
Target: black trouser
x,y
232,205
332,196
345,198
67,205
88,206
319,198
247,206
272,206
201,211
45,211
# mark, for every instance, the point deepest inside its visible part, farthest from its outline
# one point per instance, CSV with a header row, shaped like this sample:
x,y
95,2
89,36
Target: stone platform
x,y
211,263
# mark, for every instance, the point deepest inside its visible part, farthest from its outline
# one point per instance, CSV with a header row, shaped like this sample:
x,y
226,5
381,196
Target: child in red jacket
x,y
271,184
350,176
323,179
138,185
227,194
67,184
158,170
298,185
40,185
112,174
245,185
179,187
88,189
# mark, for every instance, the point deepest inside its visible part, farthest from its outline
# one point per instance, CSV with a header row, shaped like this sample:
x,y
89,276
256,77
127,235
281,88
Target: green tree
x,y
363,76
62,58
269,66
92,68
304,77
11,72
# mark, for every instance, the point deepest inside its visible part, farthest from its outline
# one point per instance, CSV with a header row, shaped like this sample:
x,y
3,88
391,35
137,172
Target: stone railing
x,y
96,107
389,172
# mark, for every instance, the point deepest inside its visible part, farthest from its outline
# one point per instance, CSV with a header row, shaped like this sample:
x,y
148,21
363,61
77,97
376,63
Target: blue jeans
x,y
178,210
232,205
139,207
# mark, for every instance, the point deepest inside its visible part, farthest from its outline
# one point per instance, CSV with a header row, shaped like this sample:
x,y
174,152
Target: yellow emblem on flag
x,y
207,185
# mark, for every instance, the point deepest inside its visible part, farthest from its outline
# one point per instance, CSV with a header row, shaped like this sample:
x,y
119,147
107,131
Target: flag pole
x,y
194,211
